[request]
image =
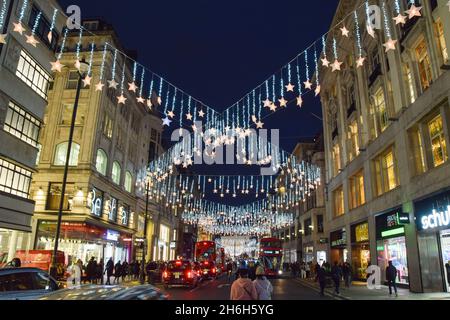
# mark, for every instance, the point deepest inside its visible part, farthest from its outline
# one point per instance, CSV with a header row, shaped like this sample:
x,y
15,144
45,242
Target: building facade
x,y
386,129
24,79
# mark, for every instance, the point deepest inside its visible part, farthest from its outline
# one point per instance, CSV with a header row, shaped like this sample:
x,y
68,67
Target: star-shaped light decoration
x,y
132,87
299,101
78,64
159,100
336,66
308,84
171,114
283,102
273,107
267,103
2,38
149,103
87,81
113,84
201,114
140,100
57,66
414,12
371,31
166,122
121,99
360,61
290,87
189,116
345,31
325,62
19,28
317,91
99,86
400,19
254,119
32,40
390,44
259,125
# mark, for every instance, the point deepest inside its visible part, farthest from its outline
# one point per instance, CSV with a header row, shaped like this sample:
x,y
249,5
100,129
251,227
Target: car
x,y
104,292
180,273
25,284
208,270
155,271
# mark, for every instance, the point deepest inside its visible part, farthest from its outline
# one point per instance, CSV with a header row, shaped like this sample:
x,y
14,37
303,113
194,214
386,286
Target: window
x,y
54,196
439,29
61,154
417,151
353,140
108,126
338,197
336,158
379,113
33,74
128,181
308,227
438,144
21,124
357,194
67,112
410,83
16,282
320,228
101,163
424,65
43,29
14,179
152,151
385,172
72,82
116,172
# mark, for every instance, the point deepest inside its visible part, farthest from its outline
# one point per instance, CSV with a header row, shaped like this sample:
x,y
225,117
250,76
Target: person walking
x,y
391,278
229,271
263,287
347,273
124,271
91,269
99,272
336,275
243,288
109,271
321,277
117,272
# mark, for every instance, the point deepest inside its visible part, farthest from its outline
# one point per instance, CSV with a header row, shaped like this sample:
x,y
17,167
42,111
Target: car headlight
x,y
280,272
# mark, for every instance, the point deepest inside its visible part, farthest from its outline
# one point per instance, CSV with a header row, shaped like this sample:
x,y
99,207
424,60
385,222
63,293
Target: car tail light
x,y
165,274
214,270
189,275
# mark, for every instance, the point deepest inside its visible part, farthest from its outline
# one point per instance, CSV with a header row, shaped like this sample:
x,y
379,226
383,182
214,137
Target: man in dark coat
x,y
109,271
91,270
321,276
391,278
117,272
336,275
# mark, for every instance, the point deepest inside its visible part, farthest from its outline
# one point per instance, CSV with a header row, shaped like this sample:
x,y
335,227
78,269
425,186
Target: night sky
x,y
218,51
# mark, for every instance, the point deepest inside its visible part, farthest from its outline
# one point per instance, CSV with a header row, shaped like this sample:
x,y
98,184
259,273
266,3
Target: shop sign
x,y
173,245
112,209
339,238
96,202
433,213
389,224
112,235
403,218
323,240
125,215
362,233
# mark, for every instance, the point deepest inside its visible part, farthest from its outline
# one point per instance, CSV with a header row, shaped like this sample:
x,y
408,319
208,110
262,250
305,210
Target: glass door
x,y
445,248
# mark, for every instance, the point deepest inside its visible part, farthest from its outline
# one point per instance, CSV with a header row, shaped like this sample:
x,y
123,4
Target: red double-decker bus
x,y
270,255
206,256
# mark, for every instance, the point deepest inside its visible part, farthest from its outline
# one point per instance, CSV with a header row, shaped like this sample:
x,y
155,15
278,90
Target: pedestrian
x,y
321,277
263,286
243,288
91,269
75,275
109,271
252,271
391,277
136,270
99,272
347,273
336,275
308,270
229,271
124,271
117,272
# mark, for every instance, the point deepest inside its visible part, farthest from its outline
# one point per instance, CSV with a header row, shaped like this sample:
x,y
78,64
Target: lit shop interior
x,y
338,246
360,250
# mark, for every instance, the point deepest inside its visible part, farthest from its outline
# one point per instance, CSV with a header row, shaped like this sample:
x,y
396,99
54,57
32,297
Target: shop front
x,y
308,252
360,250
433,226
391,244
338,246
82,240
12,241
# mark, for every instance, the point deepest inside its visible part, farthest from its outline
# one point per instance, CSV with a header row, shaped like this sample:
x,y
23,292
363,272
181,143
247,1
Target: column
x,y
12,245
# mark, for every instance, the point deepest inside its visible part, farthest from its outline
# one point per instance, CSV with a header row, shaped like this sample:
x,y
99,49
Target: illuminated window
x,y
108,126
33,74
336,158
128,181
418,151
357,193
439,29
116,172
61,154
353,141
380,113
22,125
338,197
385,172
101,162
423,60
14,180
410,83
438,144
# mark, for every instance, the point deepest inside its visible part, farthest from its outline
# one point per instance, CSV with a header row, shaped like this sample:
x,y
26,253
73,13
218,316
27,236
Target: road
x,y
284,289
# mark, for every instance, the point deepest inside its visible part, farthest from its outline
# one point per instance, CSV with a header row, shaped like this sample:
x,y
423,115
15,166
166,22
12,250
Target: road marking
x,y
223,286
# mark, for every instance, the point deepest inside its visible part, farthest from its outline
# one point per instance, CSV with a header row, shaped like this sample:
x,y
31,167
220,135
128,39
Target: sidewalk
x,y
359,291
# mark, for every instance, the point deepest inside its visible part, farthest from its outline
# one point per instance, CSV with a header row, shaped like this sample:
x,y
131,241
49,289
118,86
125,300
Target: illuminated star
x,y
400,19
78,64
283,102
189,116
360,61
267,103
308,84
371,31
56,66
259,125
140,100
299,101
2,38
317,91
390,45
194,128
325,62
254,119
345,31
171,114
19,28
32,40
50,37
149,103
166,122
113,84
201,114
290,87
132,87
87,81
273,107
159,100
336,66
99,86
414,11
121,99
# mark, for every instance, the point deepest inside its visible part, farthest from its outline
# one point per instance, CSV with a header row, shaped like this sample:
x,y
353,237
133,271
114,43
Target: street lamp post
x,y
82,74
144,253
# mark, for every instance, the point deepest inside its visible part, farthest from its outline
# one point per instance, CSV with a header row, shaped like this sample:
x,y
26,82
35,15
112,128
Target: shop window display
x,y
445,245
394,250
